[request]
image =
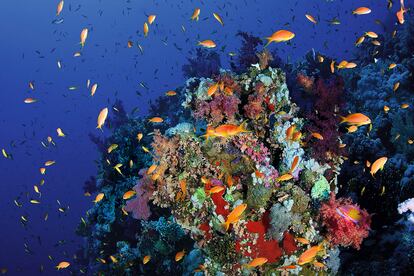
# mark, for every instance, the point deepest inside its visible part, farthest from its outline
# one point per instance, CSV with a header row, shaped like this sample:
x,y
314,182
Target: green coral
x,y
321,189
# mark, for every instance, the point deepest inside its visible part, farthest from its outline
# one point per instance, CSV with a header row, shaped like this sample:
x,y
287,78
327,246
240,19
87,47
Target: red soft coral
x,y
139,205
343,231
289,243
257,245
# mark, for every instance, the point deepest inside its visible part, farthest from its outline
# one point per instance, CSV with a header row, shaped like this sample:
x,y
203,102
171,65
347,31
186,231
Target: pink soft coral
x,y
220,108
342,230
139,205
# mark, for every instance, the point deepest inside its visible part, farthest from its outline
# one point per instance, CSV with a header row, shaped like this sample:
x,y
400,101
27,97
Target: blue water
x,y
31,45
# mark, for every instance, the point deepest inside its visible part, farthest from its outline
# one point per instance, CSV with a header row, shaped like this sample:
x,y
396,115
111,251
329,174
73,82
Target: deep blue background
x,y
25,27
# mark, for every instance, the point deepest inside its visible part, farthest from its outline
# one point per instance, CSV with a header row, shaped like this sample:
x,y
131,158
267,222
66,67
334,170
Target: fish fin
x,y
343,119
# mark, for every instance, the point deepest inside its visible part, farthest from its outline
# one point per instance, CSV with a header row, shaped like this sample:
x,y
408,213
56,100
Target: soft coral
x,y
342,231
324,121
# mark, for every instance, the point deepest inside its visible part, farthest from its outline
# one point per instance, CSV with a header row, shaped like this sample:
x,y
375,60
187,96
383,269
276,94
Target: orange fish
x,y
290,131
170,93
392,66
156,120
146,259
378,165
257,262
368,164
179,255
196,14
303,240
294,164
317,135
59,8
396,86
227,130
342,64
361,11
287,267
229,181
128,194
350,65
216,189
83,36
102,117
62,265
151,18
208,43
151,169
93,89
400,13
371,34
311,18
359,40
30,100
130,44
332,66
235,215
285,177
139,136
212,89
386,108
405,105
357,119
99,197
146,29
309,255
280,36
296,136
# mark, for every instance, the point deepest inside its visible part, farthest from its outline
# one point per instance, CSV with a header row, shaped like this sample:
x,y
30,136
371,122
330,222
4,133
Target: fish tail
x,y
226,225
269,40
343,119
242,127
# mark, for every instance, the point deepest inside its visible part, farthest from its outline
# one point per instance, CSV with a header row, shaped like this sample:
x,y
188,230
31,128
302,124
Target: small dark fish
x,y
58,21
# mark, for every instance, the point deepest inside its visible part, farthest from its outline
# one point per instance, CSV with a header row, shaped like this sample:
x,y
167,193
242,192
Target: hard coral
x,y
342,231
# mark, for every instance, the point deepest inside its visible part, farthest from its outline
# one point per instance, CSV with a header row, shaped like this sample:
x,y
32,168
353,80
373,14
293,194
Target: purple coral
x,y
139,205
220,108
324,120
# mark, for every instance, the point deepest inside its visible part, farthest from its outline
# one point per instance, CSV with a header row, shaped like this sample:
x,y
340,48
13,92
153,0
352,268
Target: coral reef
x,y
250,153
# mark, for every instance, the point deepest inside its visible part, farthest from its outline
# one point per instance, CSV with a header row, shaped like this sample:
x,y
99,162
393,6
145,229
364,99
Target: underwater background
x,y
219,155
